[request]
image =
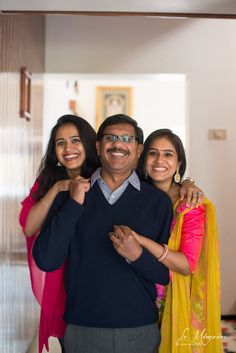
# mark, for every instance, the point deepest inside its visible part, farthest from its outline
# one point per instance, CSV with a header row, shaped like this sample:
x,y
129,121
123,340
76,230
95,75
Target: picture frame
x,y
25,93
113,100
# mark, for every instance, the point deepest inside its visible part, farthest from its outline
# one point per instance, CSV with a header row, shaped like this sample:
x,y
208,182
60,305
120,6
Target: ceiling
x,y
170,8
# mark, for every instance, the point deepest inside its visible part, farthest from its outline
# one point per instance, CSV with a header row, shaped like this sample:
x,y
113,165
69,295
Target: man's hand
x,y
78,187
191,194
125,243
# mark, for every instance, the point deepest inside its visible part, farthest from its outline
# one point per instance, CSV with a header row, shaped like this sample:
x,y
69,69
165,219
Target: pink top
x,y
191,238
192,233
48,288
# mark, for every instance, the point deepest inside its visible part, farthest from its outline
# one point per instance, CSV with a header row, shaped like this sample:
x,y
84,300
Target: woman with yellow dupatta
x,y
191,317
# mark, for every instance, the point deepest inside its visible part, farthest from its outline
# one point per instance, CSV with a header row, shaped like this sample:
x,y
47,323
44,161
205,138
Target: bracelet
x,y
164,253
187,178
44,202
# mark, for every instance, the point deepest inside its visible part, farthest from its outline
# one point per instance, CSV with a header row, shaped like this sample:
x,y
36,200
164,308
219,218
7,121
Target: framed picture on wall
x,y
112,100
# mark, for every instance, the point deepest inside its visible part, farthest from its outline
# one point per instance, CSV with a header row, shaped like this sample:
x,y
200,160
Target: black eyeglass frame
x,y
122,138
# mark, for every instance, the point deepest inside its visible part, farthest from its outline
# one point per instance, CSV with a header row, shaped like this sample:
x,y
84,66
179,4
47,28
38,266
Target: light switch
x,y
217,134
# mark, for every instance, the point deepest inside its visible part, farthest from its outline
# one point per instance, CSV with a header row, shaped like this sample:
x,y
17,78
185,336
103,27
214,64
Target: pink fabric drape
x,y
48,288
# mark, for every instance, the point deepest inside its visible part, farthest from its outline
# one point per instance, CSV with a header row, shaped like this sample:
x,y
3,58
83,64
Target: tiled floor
x,y
229,333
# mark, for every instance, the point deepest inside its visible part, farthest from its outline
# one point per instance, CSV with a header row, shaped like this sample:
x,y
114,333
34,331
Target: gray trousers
x,y
80,339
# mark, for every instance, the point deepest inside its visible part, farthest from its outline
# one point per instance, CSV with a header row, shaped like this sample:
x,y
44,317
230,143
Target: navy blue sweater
x,y
103,290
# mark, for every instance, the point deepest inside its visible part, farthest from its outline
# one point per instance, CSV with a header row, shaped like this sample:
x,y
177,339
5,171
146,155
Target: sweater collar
x,y
133,179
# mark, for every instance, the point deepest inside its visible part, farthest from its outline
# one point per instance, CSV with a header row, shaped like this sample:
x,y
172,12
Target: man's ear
x,y
98,147
140,149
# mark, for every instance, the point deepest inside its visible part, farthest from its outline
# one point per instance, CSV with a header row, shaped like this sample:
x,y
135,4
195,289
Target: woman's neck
x,y
73,173
170,187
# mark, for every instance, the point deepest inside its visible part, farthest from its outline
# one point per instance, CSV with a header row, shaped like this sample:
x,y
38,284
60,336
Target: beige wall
x,y
204,50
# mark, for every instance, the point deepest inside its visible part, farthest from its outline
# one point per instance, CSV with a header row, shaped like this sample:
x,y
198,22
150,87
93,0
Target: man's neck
x,y
114,180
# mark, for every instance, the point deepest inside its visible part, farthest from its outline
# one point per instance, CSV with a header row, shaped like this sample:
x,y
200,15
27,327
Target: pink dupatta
x,y
48,288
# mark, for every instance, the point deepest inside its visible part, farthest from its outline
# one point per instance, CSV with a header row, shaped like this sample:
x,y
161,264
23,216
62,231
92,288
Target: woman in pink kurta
x,y
192,299
70,153
48,288
191,302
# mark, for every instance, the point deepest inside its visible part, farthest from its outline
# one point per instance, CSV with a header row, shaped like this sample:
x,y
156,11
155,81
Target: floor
x,y
18,312
54,346
229,333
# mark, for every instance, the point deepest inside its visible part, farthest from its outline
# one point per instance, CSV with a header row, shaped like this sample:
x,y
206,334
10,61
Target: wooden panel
x,y
21,44
221,15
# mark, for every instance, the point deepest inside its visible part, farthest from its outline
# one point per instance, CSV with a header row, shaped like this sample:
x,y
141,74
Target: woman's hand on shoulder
x,y
191,194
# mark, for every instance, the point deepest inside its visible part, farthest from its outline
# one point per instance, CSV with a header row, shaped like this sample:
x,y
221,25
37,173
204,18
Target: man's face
x,y
118,157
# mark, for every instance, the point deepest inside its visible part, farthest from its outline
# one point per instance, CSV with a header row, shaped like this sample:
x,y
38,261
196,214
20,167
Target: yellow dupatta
x,y
191,318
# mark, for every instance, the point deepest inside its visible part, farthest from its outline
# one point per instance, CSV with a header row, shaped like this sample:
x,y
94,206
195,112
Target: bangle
x,y
164,253
44,202
187,178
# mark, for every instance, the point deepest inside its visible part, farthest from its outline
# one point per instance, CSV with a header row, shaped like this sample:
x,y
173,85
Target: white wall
x,y
202,49
150,99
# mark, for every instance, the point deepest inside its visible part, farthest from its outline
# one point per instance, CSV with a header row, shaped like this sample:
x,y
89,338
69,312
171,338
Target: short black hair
x,y
176,142
120,119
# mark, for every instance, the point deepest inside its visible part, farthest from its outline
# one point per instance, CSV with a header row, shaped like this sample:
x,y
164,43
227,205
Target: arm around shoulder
x,y
34,213
147,264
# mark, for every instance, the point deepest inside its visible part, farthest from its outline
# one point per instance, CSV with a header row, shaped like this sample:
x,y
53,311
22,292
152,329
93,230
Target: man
x,y
110,283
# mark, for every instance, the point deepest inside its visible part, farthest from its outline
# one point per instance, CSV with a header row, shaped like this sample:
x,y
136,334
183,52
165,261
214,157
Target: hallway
x,y
57,45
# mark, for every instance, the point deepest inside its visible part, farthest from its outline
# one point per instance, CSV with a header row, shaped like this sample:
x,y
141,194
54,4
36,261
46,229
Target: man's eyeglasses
x,y
122,138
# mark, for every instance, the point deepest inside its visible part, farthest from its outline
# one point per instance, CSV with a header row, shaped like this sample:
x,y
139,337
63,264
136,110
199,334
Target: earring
x,y
177,176
59,164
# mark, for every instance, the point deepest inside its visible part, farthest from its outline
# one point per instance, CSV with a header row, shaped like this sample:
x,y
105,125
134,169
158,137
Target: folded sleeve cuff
x,y
150,268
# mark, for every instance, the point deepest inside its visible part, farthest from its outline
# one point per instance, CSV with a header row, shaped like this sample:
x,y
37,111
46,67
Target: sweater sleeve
x,y
52,245
147,265
192,235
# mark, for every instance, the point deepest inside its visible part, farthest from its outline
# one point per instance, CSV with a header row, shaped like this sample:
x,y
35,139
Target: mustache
x,y
117,150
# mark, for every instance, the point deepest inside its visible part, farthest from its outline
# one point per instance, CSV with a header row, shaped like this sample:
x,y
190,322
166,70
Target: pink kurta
x,y
192,233
48,288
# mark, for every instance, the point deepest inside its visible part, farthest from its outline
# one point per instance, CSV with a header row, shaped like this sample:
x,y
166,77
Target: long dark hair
x,y
176,142
49,172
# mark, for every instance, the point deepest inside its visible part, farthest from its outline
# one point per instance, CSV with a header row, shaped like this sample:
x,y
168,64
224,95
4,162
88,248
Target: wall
x,y
180,6
149,102
202,49
21,44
